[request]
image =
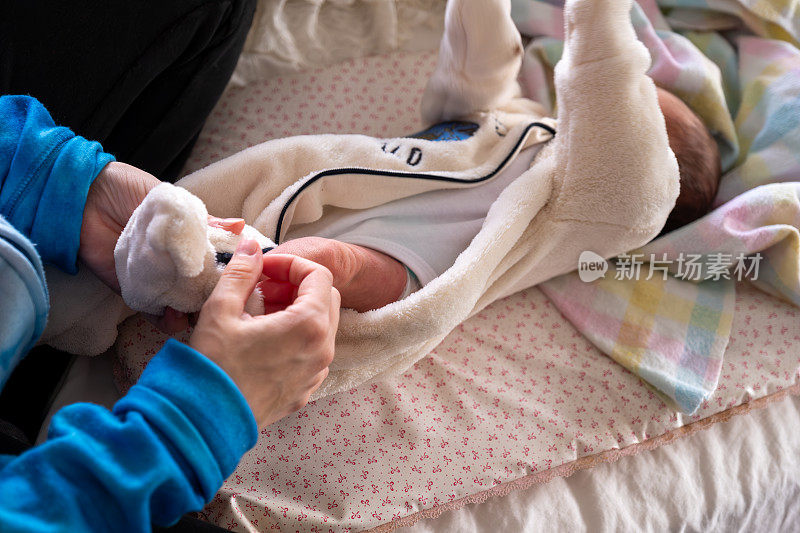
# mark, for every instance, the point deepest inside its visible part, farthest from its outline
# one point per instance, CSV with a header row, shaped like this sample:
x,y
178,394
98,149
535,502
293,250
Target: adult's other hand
x,y
115,193
113,196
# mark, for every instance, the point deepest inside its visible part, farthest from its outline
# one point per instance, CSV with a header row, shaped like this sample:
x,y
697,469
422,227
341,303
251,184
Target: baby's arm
x,y
612,144
366,279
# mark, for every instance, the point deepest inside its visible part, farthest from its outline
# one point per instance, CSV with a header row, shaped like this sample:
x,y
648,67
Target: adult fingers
x,y
336,302
313,281
277,292
284,267
238,279
333,318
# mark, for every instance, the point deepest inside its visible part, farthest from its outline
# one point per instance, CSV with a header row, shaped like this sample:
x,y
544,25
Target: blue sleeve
x,y
23,298
164,450
45,174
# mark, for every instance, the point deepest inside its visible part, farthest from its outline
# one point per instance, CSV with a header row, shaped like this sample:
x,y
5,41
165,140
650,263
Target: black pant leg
x,y
190,524
28,395
140,77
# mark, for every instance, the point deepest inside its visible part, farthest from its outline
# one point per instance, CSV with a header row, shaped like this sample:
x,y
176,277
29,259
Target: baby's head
x,y
698,161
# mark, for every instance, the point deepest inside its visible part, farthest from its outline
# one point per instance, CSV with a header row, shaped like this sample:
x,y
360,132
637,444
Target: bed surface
x,y
533,399
740,475
517,362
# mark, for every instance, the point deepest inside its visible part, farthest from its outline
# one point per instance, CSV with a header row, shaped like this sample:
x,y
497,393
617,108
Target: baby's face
x,y
698,160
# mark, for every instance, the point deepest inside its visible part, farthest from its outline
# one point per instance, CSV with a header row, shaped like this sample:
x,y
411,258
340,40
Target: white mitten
x,y
168,255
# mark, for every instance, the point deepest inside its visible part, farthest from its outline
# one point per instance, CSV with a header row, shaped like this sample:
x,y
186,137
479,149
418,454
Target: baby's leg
x,y
366,279
479,59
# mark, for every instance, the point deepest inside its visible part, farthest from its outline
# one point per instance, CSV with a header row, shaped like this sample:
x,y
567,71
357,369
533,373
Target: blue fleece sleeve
x,y
45,174
164,449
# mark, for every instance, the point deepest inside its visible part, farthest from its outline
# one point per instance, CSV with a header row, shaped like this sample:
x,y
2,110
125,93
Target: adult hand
x,y
113,196
115,193
277,360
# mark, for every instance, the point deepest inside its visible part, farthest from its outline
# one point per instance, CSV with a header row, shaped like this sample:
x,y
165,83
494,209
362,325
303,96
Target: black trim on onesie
x,y
398,174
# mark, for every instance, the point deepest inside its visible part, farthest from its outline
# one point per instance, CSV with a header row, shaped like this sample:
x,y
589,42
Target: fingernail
x,y
234,225
231,222
247,247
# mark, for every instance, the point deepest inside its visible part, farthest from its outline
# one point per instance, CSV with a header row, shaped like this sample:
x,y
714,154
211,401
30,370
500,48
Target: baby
x,y
467,212
380,255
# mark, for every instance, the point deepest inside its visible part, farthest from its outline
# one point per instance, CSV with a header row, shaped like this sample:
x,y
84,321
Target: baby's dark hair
x,y
698,161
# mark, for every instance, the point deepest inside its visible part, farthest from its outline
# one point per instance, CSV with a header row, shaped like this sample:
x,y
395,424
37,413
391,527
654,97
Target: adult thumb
x,y
238,279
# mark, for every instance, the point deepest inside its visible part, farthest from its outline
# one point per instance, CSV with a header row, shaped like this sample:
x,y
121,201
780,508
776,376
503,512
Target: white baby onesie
x,y
425,232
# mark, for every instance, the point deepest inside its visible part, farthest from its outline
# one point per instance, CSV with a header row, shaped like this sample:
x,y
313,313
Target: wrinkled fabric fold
x,y
673,332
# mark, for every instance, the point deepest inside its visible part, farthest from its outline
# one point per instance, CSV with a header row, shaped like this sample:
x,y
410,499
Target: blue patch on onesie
x,y
448,131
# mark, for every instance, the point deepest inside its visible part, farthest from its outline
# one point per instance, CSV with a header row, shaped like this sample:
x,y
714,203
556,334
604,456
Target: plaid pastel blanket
x,y
665,311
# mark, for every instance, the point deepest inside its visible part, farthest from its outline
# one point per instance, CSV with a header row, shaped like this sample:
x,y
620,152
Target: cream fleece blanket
x,y
605,183
304,34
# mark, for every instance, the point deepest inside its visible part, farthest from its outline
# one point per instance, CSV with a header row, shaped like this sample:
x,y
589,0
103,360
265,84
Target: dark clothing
x,y
140,77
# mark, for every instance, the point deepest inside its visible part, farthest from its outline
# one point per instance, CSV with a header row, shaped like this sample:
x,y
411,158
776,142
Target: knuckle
x,y
324,261
327,357
327,273
209,306
215,304
321,359
318,328
313,327
298,404
238,270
